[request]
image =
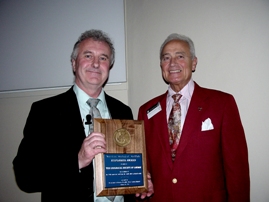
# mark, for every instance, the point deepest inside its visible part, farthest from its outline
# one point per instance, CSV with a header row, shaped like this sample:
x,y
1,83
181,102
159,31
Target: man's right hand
x,y
92,145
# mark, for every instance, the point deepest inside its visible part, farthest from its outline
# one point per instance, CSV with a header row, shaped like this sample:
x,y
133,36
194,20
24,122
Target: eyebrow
x,y
177,53
105,55
87,51
165,54
183,53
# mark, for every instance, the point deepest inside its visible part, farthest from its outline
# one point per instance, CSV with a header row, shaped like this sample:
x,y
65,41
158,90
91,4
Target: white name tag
x,y
154,110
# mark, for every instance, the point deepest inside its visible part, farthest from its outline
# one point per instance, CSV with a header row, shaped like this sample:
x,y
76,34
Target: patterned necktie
x,y
94,112
174,123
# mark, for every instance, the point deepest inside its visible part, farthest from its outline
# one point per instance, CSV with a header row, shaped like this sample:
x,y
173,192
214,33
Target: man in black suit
x,y
56,154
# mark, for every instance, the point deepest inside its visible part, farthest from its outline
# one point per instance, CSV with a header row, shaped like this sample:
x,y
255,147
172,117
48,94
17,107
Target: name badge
x,y
154,110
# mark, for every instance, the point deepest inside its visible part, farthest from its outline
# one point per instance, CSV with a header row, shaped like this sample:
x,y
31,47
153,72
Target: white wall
x,y
232,46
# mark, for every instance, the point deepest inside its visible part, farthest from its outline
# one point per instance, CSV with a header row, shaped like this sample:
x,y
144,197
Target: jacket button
x,y
174,180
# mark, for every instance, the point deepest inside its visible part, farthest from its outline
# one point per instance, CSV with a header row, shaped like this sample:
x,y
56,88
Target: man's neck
x,y
92,91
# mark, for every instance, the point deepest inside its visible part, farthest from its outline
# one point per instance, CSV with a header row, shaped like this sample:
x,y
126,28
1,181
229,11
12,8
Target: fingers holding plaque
x,y
122,170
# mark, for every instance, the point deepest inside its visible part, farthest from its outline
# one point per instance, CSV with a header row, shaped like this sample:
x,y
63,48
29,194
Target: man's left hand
x,y
150,189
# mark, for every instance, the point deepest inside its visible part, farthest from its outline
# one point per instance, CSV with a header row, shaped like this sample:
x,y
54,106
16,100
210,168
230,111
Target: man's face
x,y
92,64
177,64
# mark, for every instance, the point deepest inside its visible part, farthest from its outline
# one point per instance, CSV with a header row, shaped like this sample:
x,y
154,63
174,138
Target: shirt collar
x,y
83,97
186,91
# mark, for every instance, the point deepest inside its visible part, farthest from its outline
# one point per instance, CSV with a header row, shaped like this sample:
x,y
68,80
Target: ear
x,y
194,63
73,62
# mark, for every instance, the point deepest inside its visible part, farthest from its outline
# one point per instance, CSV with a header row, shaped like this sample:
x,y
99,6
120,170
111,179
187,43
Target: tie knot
x,y
176,97
93,102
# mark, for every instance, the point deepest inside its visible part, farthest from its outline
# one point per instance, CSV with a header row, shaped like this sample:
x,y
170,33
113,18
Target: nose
x,y
96,62
172,61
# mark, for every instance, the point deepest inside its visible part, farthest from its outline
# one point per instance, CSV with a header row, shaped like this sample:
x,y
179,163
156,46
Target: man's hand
x,y
150,189
92,145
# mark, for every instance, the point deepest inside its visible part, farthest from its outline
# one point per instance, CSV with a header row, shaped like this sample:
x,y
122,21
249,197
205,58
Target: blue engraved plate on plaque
x,y
123,170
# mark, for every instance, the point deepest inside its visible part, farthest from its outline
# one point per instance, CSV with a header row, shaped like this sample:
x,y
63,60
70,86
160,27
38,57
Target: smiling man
x,y
57,151
195,140
91,64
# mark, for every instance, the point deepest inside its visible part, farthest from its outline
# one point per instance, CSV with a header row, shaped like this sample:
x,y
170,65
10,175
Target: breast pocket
x,y
208,141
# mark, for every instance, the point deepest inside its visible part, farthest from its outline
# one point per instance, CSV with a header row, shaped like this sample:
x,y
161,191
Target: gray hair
x,y
179,37
96,35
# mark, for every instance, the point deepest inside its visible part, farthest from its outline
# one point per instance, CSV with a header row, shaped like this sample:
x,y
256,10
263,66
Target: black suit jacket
x,y
47,158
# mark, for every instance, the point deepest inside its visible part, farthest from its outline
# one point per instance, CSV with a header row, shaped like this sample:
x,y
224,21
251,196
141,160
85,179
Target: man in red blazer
x,y
211,159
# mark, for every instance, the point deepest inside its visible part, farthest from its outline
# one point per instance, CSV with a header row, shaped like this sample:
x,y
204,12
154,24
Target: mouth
x,y
93,71
175,71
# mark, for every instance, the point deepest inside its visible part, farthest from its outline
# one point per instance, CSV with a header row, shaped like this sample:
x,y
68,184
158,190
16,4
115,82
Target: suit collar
x,y
163,133
70,110
197,106
113,106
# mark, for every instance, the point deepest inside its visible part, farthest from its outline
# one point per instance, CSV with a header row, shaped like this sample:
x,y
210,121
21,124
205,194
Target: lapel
x,y
111,106
71,113
117,109
161,131
192,121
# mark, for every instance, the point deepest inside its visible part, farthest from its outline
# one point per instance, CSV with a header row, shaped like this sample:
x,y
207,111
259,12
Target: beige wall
x,y
232,46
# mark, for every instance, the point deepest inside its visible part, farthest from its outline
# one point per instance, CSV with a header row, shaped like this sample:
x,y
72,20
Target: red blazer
x,y
210,166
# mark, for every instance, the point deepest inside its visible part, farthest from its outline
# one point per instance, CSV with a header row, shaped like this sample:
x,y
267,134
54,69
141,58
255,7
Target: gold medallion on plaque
x,y
122,137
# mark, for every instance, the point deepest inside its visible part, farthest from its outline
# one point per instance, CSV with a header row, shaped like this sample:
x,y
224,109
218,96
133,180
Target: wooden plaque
x,y
122,137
